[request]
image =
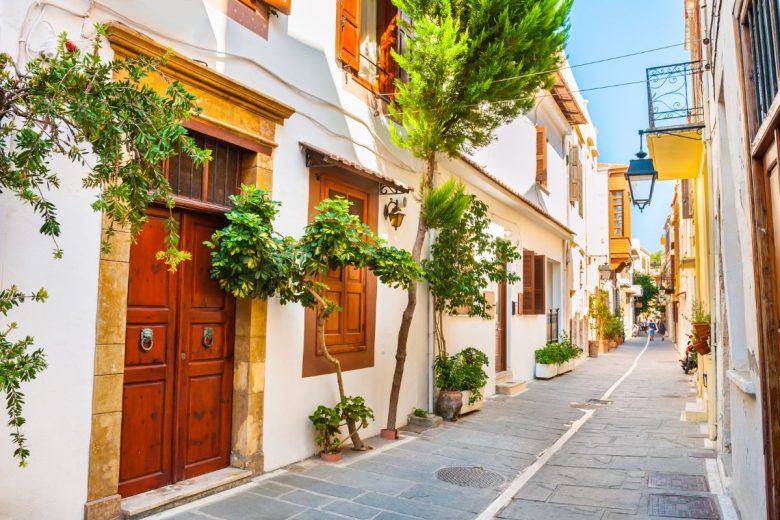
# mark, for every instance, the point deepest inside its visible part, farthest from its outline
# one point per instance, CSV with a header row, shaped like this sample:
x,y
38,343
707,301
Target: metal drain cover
x,y
599,401
683,506
678,481
470,476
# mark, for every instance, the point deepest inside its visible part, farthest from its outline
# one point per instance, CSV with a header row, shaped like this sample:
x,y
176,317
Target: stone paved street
x,y
631,459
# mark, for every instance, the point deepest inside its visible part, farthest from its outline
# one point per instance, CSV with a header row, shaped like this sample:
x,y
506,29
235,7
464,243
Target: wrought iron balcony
x,y
673,97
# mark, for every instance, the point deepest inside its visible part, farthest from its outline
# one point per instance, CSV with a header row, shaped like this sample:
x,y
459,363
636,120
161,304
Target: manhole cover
x,y
682,506
678,481
470,476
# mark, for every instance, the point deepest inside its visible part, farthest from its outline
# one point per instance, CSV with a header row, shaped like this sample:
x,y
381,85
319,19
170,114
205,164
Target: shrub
x,y
557,353
419,412
699,313
462,372
328,421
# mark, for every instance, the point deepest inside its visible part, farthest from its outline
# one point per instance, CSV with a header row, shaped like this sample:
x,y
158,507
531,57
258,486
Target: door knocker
x,y
208,337
147,340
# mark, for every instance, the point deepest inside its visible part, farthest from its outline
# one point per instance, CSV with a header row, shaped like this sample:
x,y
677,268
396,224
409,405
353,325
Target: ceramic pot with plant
x,y
548,361
455,374
700,320
593,349
328,422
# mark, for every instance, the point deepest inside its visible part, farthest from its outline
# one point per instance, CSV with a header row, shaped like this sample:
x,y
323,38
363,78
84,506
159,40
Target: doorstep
x,y
166,497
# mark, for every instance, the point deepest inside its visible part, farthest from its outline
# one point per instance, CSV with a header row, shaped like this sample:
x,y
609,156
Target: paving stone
x,y
304,498
271,489
412,507
527,510
318,486
314,514
393,516
597,497
368,481
608,478
537,491
249,506
351,509
467,499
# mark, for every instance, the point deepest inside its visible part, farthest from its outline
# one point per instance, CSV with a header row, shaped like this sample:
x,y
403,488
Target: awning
x,y
676,154
317,157
564,98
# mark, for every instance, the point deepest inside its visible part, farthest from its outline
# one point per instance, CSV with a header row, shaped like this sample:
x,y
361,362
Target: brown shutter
x,y
528,282
349,33
574,172
541,155
283,6
540,280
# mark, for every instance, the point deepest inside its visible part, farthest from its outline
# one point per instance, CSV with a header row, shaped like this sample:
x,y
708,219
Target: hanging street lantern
x,y
605,272
641,176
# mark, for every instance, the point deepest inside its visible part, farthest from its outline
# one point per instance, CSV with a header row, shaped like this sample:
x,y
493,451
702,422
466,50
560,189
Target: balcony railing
x,y
671,95
552,325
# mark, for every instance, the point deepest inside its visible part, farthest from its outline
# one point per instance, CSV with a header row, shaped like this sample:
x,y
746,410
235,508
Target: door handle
x,y
147,339
208,337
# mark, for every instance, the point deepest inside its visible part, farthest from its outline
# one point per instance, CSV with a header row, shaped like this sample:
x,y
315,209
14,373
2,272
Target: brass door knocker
x,y
147,340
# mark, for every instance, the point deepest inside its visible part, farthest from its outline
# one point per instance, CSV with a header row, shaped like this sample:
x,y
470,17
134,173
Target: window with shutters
x,y
541,156
687,198
575,178
368,31
349,333
617,213
534,277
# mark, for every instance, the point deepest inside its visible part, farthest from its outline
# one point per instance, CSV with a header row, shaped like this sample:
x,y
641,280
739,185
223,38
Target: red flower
x,y
70,46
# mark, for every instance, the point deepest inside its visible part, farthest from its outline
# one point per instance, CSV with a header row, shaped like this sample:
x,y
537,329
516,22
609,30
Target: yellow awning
x,y
677,154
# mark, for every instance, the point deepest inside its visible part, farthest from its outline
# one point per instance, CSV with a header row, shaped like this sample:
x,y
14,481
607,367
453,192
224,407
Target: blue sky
x,y
606,28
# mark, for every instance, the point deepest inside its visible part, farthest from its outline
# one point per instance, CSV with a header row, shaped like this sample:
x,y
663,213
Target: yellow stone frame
x,y
245,113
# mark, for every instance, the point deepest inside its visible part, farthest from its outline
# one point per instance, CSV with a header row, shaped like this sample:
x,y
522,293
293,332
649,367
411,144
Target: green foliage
x,y
251,260
465,258
558,352
100,115
445,205
699,312
614,327
462,371
328,421
473,65
598,310
649,291
419,412
18,364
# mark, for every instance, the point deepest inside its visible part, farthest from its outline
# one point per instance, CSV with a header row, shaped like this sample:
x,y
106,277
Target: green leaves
x,y
462,371
328,421
557,353
445,205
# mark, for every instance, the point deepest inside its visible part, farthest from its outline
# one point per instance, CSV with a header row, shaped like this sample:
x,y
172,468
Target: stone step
x,y
501,377
511,387
696,411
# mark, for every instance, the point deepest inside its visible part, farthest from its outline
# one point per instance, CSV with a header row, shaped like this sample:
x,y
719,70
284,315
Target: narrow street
x,y
630,456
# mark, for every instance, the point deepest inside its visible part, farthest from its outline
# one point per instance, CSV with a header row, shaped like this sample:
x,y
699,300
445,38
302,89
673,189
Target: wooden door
x,y
501,324
178,361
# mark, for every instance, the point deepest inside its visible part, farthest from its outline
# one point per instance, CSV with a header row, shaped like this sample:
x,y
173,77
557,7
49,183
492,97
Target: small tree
x,y
464,259
251,260
71,104
598,310
649,291
472,66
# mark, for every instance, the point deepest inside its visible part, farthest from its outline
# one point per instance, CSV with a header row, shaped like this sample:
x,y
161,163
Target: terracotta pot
x,y
330,457
702,330
593,348
603,346
702,347
612,344
448,404
388,434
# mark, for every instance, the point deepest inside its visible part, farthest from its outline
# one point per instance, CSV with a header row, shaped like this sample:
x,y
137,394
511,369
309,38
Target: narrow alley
x,y
606,442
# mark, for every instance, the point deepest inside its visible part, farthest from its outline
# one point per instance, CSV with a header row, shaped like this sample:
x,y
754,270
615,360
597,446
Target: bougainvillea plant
x,y
103,117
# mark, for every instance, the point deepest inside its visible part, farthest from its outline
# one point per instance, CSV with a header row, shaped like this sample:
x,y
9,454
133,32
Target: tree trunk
x,y
357,442
406,318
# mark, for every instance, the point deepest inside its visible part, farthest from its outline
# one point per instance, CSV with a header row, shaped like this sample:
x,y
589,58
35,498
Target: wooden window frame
x,y
612,219
541,156
532,300
351,358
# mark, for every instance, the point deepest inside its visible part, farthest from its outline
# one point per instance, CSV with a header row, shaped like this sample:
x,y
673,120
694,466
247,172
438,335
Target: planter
x,y
468,408
545,371
702,330
330,457
593,348
566,366
449,404
702,347
603,346
612,344
388,434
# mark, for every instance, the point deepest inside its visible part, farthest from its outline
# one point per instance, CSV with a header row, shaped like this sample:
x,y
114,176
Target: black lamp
x,y
641,176
394,214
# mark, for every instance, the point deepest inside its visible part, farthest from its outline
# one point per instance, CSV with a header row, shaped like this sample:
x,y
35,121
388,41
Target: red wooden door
x,y
178,361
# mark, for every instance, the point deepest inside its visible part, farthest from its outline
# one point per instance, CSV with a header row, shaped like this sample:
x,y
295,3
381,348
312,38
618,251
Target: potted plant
x,y
328,422
458,374
570,352
598,310
700,320
548,360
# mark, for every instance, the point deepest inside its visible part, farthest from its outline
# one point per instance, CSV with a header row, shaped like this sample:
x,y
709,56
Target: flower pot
x,y
593,348
702,347
612,344
330,457
388,434
545,371
468,408
566,366
449,404
603,346
702,330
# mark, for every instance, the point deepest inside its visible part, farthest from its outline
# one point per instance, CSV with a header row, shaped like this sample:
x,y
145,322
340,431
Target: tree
x,y
464,259
472,66
649,291
72,104
251,260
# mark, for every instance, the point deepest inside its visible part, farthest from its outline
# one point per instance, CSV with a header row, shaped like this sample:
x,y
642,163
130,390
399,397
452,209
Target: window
x,y
211,183
541,156
759,28
617,213
349,333
533,297
575,178
367,31
687,198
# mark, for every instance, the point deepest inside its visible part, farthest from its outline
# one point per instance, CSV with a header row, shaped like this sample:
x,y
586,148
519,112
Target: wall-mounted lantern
x,y
394,214
605,272
641,176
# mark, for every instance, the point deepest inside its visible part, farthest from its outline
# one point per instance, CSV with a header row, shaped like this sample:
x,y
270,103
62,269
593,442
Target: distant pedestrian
x,y
651,330
662,330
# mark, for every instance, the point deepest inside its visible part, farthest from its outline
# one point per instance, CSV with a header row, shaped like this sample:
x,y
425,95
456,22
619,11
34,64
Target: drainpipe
x,y
431,238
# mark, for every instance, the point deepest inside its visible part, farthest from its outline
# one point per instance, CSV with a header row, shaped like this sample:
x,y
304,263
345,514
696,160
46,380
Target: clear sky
x,y
606,28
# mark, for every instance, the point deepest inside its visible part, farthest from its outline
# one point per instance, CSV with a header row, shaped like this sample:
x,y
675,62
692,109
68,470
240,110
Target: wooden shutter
x,y
249,3
528,282
540,262
387,42
574,174
541,155
283,6
349,33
